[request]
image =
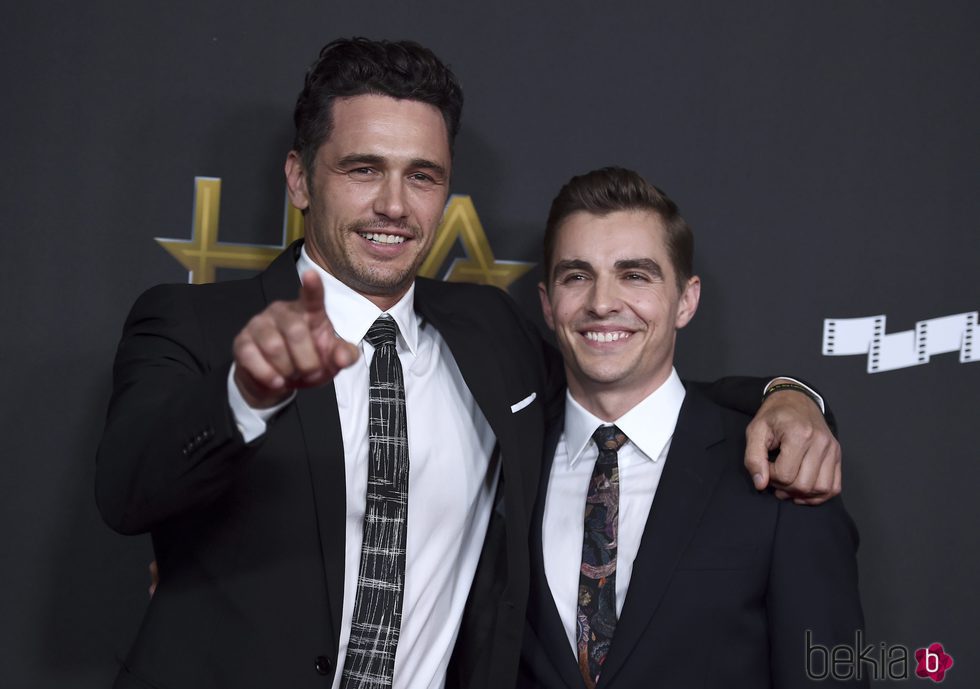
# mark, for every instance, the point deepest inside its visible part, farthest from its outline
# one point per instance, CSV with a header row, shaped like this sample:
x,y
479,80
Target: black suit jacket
x,y
250,538
725,583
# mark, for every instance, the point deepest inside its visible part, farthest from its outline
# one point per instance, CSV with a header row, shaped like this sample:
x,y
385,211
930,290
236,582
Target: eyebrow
x,y
424,164
571,264
647,264
360,159
372,159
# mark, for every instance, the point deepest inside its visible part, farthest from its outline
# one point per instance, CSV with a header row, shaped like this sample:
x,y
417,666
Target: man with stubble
x,y
344,500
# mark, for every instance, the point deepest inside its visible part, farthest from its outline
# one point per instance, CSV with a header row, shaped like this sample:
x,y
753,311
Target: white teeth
x,y
382,238
605,337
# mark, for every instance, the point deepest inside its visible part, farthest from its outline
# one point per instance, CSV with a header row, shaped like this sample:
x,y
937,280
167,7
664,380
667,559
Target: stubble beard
x,y
373,276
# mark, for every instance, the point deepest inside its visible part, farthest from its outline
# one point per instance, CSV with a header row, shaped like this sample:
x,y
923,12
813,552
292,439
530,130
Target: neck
x,y
611,402
383,301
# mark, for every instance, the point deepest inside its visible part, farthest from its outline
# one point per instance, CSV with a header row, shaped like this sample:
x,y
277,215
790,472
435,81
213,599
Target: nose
x,y
604,298
390,201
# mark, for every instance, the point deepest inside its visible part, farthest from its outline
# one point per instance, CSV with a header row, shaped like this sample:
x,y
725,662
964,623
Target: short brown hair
x,y
357,66
612,189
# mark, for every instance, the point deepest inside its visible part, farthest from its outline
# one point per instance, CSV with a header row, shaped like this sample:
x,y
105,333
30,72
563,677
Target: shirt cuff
x,y
251,422
816,395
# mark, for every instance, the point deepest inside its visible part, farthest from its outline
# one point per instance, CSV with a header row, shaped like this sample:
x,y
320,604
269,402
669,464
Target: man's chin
x,y
602,376
384,283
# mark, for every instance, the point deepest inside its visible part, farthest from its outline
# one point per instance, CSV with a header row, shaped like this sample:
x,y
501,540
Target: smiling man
x,y
319,489
344,501
656,562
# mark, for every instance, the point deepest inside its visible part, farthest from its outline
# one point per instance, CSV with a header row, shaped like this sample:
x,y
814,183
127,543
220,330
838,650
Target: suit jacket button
x,y
322,665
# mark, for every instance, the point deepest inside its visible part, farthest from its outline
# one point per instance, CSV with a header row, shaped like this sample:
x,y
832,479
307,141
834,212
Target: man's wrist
x,y
251,422
784,383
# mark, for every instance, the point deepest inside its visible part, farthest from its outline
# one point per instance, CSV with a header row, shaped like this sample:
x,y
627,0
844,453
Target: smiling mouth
x,y
382,238
612,336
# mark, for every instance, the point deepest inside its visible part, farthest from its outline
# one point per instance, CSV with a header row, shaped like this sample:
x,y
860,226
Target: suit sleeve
x,y
170,444
812,601
744,394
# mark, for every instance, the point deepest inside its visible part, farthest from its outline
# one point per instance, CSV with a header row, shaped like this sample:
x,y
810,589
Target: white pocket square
x,y
514,408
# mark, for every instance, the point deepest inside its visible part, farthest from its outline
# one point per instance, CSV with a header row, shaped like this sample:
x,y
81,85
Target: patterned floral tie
x,y
596,614
376,624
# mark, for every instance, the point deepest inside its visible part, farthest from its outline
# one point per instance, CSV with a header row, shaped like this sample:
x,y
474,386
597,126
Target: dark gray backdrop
x,y
826,153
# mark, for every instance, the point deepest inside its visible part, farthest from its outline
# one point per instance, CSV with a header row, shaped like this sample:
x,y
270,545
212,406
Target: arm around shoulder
x,y
745,394
793,421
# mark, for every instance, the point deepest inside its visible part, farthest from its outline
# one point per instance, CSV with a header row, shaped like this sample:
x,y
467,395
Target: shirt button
x,y
322,665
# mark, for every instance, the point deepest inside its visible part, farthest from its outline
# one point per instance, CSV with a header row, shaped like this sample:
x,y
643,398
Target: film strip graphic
x,y
890,351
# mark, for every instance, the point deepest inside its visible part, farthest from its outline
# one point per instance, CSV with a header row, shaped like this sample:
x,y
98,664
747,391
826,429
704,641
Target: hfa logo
x,y
889,351
203,254
844,662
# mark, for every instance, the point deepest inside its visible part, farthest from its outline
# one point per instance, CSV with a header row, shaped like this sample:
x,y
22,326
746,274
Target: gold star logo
x,y
460,221
203,254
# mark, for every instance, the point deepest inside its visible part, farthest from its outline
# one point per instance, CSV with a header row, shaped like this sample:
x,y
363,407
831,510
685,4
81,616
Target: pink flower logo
x,y
933,662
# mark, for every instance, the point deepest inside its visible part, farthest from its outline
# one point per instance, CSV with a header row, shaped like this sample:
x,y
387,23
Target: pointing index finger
x,y
328,343
757,456
311,296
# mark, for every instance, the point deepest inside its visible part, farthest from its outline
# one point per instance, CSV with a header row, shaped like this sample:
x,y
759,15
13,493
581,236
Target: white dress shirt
x,y
452,480
649,426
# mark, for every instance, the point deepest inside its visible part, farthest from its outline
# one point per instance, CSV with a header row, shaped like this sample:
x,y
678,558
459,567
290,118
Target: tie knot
x,y
609,438
382,331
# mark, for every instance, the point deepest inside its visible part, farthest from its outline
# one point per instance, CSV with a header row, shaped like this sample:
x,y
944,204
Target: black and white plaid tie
x,y
370,660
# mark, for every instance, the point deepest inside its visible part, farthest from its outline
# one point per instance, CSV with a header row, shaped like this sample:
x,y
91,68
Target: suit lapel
x,y
545,621
477,364
323,444
694,465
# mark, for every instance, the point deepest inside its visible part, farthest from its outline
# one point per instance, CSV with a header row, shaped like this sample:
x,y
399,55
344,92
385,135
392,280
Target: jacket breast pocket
x,y
523,403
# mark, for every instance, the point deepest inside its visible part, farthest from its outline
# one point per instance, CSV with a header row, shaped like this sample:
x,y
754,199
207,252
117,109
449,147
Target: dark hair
x,y
357,66
612,189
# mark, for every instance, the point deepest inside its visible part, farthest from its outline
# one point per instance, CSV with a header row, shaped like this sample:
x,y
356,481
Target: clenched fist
x,y
288,346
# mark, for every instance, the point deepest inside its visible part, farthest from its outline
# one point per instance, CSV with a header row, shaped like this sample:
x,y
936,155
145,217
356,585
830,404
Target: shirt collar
x,y
649,425
352,314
